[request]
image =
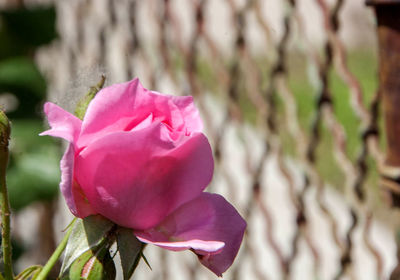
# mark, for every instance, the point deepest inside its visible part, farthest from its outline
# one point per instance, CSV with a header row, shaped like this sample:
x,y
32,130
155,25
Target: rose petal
x,y
198,245
67,172
189,112
74,197
121,107
63,124
209,218
137,178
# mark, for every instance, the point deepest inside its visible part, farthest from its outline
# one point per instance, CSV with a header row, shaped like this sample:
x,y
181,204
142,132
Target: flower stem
x,y
56,255
4,204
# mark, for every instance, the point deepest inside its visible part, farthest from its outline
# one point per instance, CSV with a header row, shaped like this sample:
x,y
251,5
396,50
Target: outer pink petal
x,y
67,173
137,178
63,124
71,192
121,107
209,218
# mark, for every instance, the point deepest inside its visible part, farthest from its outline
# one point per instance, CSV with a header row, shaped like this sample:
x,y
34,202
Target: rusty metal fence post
x,y
388,30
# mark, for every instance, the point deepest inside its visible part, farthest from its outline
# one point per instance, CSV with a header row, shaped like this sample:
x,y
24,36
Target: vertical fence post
x,y
388,30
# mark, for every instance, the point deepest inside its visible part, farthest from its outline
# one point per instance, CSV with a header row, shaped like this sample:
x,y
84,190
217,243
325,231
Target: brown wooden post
x,y
388,30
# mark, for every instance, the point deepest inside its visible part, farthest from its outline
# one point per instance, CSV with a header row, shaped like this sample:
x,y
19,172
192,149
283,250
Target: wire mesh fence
x,y
293,119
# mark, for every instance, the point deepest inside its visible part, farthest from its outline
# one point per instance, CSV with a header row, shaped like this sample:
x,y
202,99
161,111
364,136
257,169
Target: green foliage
x,y
20,77
22,30
33,168
33,177
33,173
88,234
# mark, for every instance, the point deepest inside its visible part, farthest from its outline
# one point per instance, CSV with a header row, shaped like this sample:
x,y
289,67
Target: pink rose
x,y
140,159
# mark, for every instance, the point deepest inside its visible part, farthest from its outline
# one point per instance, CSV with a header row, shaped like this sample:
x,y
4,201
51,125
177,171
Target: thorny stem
x,y
4,204
56,255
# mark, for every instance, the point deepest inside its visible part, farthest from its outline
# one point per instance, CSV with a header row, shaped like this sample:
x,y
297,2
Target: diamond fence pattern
x,y
252,112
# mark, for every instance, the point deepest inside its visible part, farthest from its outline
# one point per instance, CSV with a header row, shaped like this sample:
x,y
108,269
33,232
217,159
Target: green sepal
x,y
83,104
130,251
88,234
145,260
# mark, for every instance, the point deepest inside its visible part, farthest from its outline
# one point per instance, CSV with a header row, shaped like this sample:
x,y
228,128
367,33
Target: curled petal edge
x,y
201,225
62,123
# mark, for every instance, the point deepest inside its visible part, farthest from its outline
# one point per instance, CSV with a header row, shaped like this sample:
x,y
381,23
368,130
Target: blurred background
x,y
288,94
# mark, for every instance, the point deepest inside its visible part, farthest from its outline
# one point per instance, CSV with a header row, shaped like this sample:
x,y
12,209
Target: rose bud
x,y
140,159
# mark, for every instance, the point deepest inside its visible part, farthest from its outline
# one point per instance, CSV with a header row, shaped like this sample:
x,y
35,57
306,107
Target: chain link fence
x,y
288,94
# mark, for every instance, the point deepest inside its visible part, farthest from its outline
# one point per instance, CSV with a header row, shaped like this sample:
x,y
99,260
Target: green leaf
x,y
33,177
21,73
21,77
33,172
25,138
93,266
31,27
130,249
87,234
